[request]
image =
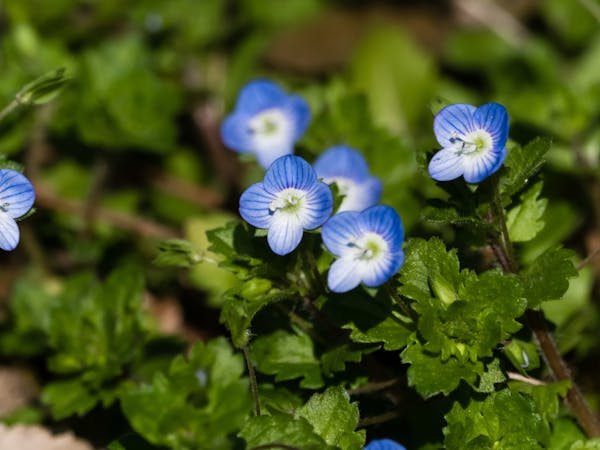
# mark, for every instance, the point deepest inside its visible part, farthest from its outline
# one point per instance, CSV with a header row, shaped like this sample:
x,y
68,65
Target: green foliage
x,y
505,419
524,221
523,163
547,278
197,404
288,356
326,421
462,317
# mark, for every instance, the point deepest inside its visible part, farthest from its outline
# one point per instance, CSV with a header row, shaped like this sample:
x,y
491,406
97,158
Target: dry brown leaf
x,y
35,437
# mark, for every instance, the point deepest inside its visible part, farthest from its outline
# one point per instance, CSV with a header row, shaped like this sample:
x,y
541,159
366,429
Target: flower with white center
x,y
384,444
348,169
368,246
16,199
473,141
289,200
266,122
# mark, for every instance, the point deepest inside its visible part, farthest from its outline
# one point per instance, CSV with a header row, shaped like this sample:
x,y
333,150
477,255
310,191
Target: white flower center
x,y
289,200
368,247
472,143
270,127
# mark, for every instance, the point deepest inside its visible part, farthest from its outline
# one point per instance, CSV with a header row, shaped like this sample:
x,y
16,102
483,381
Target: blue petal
x,y
16,193
377,272
319,206
298,112
289,172
446,165
457,119
341,229
386,222
493,118
478,167
344,275
363,195
285,233
268,155
254,206
259,95
384,444
9,232
342,161
236,134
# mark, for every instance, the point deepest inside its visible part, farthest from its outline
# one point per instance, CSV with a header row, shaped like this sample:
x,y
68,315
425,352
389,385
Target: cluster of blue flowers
x,y
366,238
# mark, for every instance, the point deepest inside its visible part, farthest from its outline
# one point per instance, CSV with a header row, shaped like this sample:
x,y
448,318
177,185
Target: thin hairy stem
x,y
375,386
253,382
381,418
542,334
398,300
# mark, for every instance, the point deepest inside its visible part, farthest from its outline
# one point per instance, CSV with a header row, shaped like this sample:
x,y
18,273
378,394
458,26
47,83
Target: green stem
x,y
542,334
252,378
9,108
398,300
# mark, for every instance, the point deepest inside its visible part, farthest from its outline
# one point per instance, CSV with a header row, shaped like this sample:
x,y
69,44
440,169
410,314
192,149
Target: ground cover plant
x,y
300,224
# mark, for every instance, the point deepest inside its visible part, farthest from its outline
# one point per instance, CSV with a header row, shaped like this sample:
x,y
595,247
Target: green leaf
x,y
524,221
370,319
281,429
492,376
505,419
547,278
43,89
288,356
334,418
238,312
335,359
429,374
565,433
197,404
523,163
178,253
68,397
547,397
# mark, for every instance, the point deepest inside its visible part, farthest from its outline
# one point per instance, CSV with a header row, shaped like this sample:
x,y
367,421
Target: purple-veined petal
x,y
235,133
363,195
384,221
16,193
378,271
453,120
318,206
344,275
339,231
446,165
254,206
289,172
9,232
259,95
342,161
384,444
285,233
493,118
298,112
478,167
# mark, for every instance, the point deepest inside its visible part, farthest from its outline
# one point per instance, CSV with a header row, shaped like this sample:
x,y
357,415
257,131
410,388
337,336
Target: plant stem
x,y
381,418
252,378
400,301
373,387
9,108
543,336
269,446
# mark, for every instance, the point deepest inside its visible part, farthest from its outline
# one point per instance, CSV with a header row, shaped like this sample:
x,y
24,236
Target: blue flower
x,y
368,245
266,121
16,198
384,444
348,169
289,200
474,141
